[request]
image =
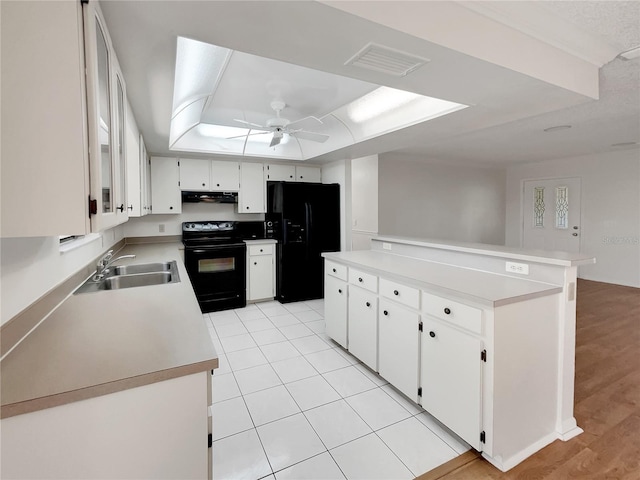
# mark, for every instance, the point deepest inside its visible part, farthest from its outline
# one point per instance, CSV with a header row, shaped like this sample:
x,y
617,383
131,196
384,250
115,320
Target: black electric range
x,y
215,257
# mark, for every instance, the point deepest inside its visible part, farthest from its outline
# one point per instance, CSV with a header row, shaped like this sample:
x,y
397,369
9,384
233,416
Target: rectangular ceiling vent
x,y
386,60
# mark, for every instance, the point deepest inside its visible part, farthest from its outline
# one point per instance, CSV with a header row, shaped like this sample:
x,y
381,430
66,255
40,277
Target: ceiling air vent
x,y
386,60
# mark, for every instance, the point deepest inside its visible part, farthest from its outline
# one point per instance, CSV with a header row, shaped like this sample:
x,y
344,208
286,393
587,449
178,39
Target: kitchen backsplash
x,y
161,225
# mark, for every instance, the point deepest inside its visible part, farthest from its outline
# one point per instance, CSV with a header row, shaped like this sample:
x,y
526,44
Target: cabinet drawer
x,y
454,312
408,296
364,280
335,270
262,249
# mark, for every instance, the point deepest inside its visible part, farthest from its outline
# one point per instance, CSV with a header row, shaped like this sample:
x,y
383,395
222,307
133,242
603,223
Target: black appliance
x,y
209,197
215,257
305,219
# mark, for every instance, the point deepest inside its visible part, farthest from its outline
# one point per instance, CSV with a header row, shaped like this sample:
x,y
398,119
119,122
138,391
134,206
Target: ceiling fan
x,y
279,126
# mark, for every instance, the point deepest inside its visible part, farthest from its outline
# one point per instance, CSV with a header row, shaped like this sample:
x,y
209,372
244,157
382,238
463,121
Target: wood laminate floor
x,y
607,399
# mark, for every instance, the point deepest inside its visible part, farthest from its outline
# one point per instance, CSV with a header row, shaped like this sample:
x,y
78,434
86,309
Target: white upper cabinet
x,y
209,175
251,198
106,96
308,174
225,176
165,191
280,173
145,171
45,172
195,174
291,173
138,169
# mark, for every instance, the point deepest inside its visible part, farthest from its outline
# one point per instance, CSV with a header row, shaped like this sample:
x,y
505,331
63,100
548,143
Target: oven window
x,y
212,265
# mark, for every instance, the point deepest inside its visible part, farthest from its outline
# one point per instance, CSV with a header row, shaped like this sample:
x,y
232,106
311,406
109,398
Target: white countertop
x,y
107,341
565,259
483,288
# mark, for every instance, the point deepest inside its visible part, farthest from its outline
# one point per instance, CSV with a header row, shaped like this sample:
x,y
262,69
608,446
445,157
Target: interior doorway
x,y
551,214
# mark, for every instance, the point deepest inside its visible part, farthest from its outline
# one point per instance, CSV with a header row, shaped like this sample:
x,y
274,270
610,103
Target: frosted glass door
x,y
551,214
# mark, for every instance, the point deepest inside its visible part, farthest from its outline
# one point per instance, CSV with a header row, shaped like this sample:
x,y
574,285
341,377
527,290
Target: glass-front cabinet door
x,y
105,108
121,207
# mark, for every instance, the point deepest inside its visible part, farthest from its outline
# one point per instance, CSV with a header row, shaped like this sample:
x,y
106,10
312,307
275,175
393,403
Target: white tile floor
x,y
288,403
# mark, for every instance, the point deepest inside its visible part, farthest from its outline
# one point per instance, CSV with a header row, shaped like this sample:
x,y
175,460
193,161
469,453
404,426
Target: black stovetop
x,y
220,232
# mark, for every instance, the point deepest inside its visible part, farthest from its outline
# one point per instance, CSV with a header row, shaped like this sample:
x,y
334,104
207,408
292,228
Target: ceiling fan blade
x,y
242,136
314,137
306,122
275,141
248,123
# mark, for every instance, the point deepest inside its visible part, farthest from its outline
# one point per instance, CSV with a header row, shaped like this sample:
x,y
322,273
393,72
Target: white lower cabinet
x,y
335,310
399,347
451,379
363,326
260,271
148,432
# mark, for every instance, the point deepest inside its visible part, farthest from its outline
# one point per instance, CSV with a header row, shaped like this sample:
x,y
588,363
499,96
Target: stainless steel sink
x,y
143,268
136,280
129,276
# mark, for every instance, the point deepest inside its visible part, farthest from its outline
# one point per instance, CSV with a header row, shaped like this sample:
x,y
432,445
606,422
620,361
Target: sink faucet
x,y
102,267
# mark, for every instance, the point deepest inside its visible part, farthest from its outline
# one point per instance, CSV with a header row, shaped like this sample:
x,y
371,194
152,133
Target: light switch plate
x,y
519,268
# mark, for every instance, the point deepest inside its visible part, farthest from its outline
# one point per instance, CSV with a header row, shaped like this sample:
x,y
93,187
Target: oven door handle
x,y
209,251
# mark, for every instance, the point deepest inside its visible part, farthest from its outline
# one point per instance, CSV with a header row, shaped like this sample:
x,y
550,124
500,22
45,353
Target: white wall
x,y
438,201
33,266
149,225
610,210
339,172
364,201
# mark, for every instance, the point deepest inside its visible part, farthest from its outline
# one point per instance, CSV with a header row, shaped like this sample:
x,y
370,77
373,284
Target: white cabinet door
x,y
44,120
280,173
335,304
363,326
135,172
450,377
145,171
195,174
252,188
165,191
225,176
308,174
120,117
106,124
260,277
123,439
399,346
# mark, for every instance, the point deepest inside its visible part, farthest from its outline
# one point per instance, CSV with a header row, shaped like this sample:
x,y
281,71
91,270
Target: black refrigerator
x,y
306,222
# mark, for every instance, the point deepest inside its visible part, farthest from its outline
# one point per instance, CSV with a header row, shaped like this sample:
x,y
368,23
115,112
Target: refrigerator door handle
x,y
308,222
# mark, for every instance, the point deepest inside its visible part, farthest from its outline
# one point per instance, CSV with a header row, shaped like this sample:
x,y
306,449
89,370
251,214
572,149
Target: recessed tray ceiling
x,y
233,103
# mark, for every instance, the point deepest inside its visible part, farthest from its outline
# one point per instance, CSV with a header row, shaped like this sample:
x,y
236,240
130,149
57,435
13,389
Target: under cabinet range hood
x,y
209,197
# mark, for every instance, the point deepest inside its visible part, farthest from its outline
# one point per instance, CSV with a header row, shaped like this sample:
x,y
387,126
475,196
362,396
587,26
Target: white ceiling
x,y
513,97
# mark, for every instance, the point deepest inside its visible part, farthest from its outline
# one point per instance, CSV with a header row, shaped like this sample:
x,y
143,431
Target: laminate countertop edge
x,y
485,289
63,398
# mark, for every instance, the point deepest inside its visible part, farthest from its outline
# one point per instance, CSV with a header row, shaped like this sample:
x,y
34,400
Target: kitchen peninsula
x,y
481,336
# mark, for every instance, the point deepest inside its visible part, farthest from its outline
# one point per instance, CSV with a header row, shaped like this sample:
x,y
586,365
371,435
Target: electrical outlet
x,y
161,227
519,268
386,246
